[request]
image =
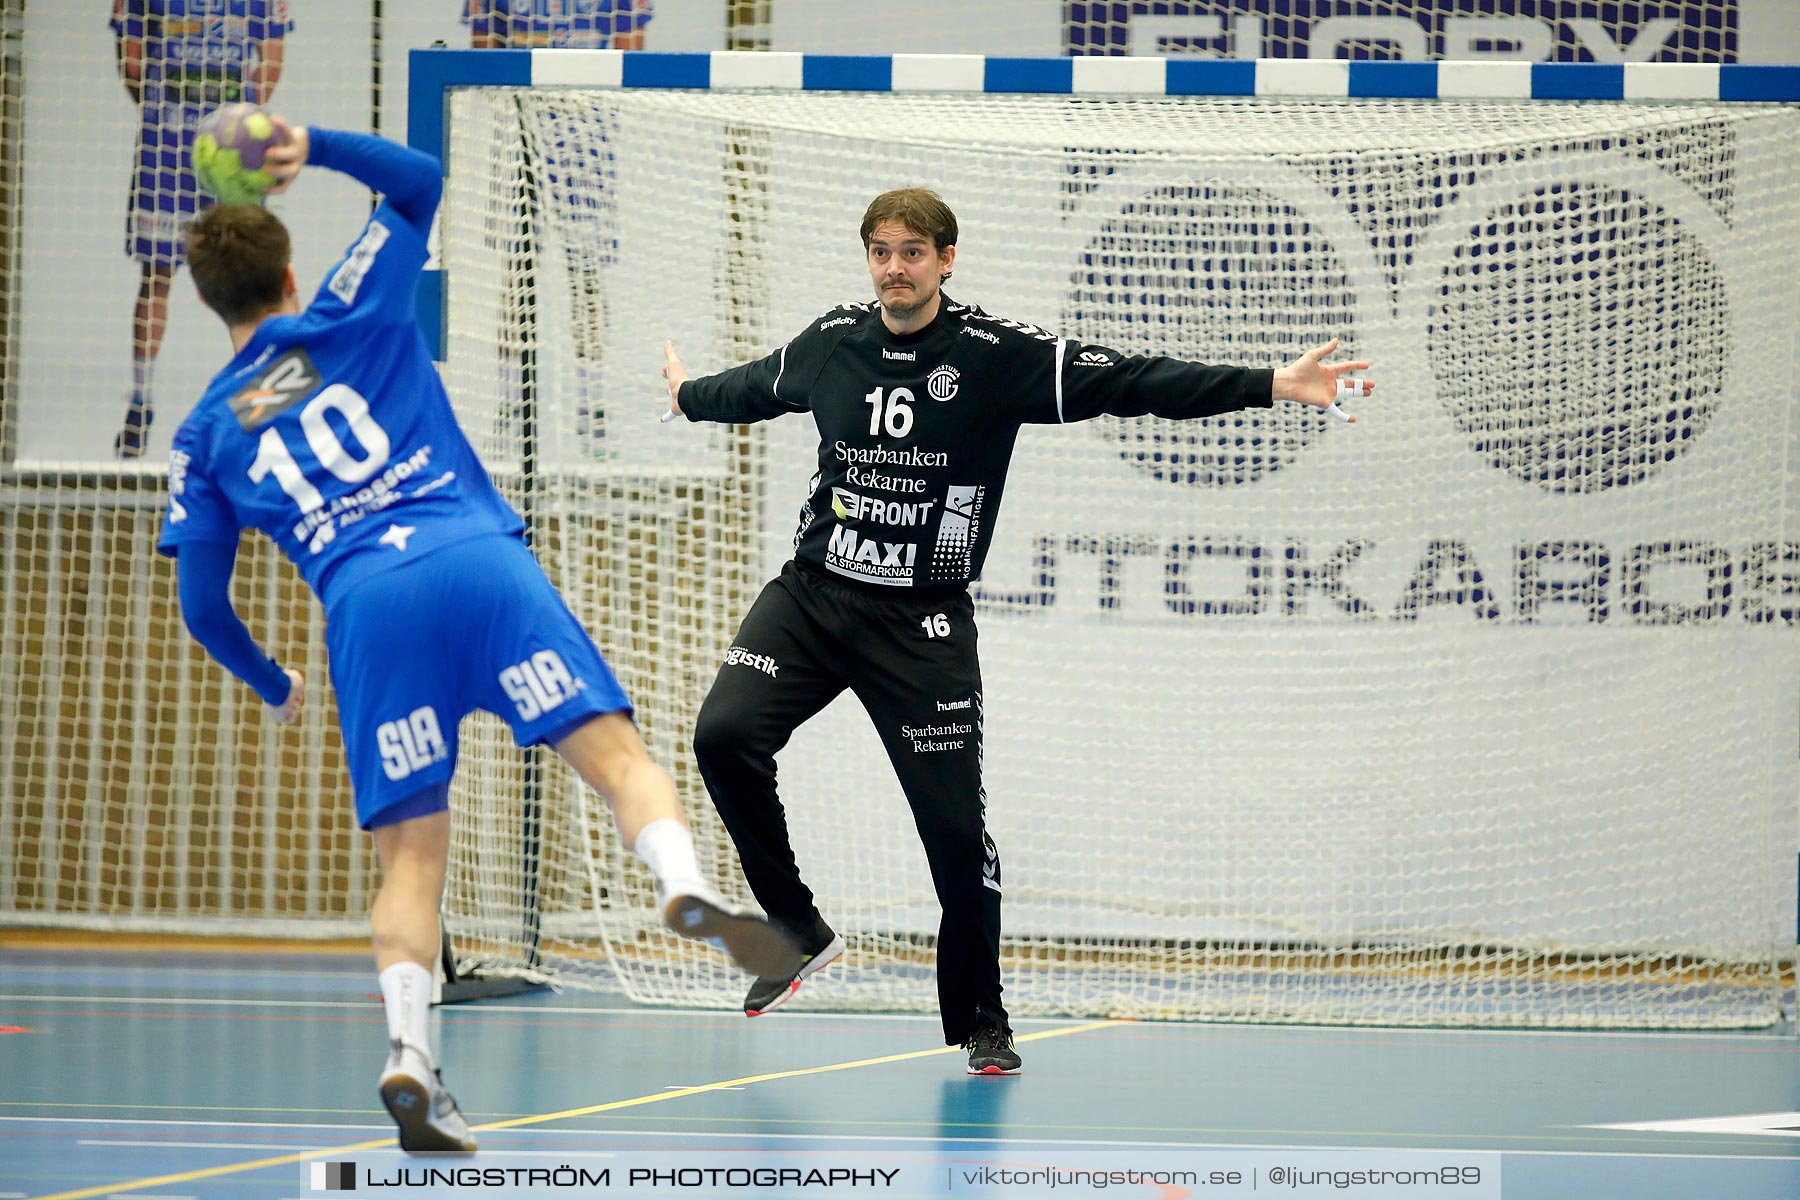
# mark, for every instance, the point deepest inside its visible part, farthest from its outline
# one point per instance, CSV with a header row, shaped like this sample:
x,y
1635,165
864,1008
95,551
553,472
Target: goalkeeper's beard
x,y
905,305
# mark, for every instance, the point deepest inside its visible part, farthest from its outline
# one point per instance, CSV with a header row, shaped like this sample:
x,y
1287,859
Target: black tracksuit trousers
x,y
911,660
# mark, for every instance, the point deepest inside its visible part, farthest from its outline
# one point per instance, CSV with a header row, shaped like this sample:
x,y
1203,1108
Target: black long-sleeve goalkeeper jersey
x,y
916,431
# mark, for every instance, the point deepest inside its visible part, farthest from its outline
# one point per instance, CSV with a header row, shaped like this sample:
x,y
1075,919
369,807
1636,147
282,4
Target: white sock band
x,y
406,991
668,850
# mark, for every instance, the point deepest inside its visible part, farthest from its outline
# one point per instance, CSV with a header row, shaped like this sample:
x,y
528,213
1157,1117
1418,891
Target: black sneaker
x,y
772,991
991,1050
134,434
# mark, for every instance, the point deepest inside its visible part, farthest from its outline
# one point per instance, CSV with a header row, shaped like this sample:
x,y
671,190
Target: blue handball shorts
x,y
414,650
165,195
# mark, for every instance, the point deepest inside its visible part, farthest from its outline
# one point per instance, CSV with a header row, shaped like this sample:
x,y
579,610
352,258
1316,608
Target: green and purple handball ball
x,y
228,153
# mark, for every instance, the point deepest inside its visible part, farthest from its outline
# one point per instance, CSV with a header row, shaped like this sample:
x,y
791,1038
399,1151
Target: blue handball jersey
x,y
582,24
330,431
198,51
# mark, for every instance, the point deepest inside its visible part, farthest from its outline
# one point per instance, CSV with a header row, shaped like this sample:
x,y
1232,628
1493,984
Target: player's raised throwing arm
x,y
410,181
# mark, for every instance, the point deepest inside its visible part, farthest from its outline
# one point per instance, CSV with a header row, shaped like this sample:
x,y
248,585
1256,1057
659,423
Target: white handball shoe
x,y
421,1106
695,910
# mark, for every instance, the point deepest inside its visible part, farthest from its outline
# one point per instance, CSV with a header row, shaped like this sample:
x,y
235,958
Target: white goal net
x,y
1480,711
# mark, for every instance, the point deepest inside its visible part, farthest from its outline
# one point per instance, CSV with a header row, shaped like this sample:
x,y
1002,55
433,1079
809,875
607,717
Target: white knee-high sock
x,y
406,992
667,848
141,370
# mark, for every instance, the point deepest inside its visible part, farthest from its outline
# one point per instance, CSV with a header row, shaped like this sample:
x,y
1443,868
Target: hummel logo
x,y
1041,335
900,355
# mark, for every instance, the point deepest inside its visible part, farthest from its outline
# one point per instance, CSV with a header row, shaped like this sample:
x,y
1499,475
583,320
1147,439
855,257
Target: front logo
x,y
411,744
853,506
941,383
538,684
900,355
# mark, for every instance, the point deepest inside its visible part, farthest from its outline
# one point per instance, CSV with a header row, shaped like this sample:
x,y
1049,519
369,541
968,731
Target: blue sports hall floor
x,y
171,1072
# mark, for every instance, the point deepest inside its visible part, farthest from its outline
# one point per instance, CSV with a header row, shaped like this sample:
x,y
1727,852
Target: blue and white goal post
x,y
1482,710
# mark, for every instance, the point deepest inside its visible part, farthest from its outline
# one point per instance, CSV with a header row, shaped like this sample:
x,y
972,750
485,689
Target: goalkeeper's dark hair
x,y
919,209
238,254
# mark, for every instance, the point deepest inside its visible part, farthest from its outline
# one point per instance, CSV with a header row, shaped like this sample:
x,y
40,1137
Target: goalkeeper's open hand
x,y
1310,380
675,374
288,711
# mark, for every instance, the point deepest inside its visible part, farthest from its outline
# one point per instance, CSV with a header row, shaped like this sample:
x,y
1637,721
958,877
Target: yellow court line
x,y
517,1122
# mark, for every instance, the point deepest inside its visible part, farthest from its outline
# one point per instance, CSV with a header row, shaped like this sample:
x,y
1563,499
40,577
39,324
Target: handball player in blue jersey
x,y
180,59
330,431
542,24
